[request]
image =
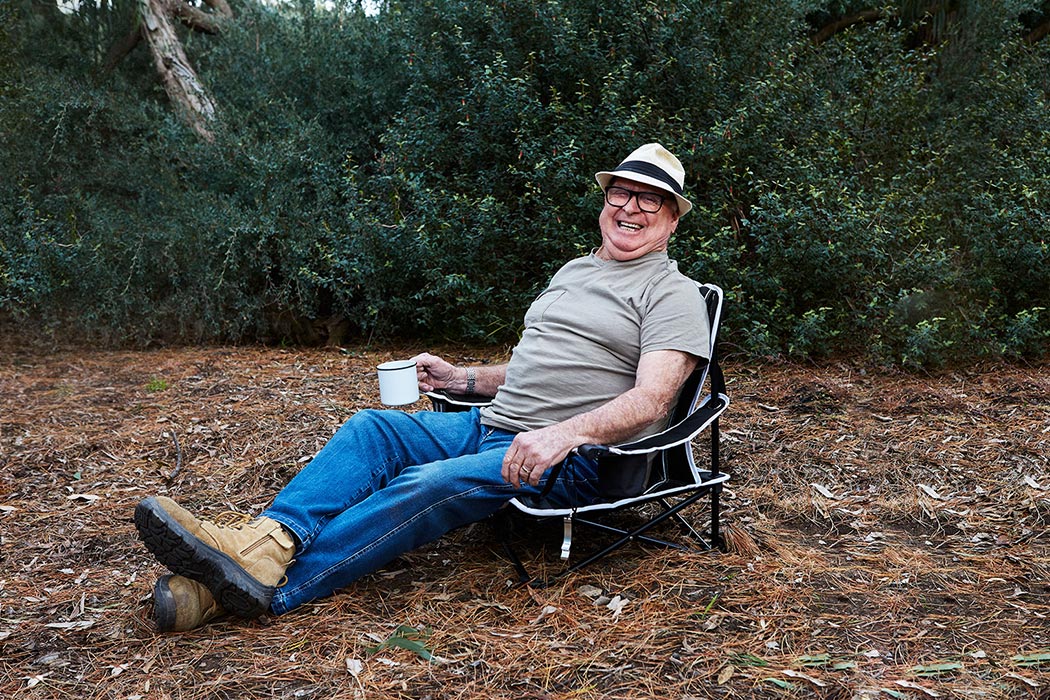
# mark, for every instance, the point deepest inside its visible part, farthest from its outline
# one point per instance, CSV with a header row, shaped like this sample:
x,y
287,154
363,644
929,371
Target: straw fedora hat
x,y
654,165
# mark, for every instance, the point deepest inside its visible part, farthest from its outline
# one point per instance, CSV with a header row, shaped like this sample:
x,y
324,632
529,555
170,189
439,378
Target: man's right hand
x,y
432,373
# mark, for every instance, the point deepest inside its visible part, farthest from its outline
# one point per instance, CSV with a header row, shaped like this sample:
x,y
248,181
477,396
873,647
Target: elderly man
x,y
605,348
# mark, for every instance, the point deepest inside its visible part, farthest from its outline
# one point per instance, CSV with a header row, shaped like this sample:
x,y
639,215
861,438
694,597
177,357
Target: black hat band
x,y
654,171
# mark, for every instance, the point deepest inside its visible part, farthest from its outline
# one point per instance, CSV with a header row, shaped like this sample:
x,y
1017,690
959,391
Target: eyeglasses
x,y
649,202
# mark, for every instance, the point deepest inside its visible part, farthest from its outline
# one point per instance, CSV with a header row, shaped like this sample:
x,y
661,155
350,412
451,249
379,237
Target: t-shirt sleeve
x,y
675,318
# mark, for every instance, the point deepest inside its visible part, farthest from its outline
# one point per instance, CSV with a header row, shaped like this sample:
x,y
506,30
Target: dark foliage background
x,y
422,171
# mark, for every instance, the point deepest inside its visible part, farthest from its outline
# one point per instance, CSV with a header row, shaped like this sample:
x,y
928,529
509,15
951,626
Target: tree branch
x,y
195,18
1038,34
830,30
122,48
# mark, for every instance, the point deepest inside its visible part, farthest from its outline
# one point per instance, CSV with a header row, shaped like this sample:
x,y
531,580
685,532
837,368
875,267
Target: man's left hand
x,y
533,452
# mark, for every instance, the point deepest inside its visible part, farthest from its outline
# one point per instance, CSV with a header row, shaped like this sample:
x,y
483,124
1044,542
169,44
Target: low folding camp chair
x,y
663,467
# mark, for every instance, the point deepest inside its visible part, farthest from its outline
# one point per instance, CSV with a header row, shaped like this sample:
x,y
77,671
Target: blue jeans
x,y
390,481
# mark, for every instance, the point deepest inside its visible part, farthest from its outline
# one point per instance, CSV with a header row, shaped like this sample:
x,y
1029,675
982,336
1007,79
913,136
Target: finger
x,y
425,361
423,380
521,475
509,470
517,473
519,468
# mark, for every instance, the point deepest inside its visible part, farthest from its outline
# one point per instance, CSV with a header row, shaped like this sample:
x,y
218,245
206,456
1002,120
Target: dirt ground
x,y
888,540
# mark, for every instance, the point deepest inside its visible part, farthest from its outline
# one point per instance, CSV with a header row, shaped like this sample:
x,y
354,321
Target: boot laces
x,y
232,519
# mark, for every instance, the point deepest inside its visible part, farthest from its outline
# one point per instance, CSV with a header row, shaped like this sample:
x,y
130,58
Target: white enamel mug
x,y
397,382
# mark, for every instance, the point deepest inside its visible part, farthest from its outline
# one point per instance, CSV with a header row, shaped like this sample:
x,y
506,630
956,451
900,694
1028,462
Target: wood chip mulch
x,y
888,539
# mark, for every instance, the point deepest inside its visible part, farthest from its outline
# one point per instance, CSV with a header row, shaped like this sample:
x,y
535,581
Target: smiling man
x,y
606,347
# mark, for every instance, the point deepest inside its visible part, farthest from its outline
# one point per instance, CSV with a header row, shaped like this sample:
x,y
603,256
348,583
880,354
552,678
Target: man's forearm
x,y
487,379
660,375
620,419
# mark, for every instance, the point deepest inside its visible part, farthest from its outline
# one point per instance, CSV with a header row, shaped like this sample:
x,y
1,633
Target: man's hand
x,y
533,452
432,372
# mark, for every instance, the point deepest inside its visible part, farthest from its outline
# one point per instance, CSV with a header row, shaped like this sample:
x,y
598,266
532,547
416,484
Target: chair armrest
x,y
682,431
443,400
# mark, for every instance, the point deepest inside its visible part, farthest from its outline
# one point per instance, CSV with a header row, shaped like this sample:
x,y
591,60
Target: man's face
x,y
628,232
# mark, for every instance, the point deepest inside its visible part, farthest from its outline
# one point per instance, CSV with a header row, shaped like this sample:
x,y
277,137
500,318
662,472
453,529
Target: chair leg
x,y
716,535
686,526
638,533
716,491
504,531
633,536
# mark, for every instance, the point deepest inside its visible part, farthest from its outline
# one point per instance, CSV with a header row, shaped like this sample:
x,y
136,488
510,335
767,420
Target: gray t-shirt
x,y
585,334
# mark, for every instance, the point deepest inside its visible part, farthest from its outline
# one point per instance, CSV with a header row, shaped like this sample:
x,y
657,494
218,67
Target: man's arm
x,y
432,372
660,375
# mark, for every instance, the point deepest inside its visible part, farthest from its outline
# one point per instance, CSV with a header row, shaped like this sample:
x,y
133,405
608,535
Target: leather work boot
x,y
238,559
180,604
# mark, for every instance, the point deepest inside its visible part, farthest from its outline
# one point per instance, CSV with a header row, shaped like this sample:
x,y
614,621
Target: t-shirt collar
x,y
656,255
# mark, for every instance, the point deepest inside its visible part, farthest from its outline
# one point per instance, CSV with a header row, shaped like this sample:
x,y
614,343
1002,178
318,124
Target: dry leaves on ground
x,y
889,540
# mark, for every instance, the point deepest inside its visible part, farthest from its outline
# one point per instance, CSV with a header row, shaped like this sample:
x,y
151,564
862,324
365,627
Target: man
x,y
605,349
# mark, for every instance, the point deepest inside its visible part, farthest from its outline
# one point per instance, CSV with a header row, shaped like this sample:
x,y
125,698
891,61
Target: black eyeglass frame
x,y
637,198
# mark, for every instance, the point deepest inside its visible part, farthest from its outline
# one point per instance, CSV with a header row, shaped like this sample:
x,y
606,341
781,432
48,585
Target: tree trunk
x,y
180,81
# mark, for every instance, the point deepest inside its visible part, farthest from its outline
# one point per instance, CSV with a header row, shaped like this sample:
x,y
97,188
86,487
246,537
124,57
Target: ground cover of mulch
x,y
888,538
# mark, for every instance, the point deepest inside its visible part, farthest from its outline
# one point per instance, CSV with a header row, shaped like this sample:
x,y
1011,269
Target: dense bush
x,y
119,221
879,200
423,171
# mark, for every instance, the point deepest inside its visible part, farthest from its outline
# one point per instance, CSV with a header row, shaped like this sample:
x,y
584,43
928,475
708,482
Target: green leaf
x,y
747,660
780,683
707,609
813,660
157,384
936,669
411,645
406,637
1036,659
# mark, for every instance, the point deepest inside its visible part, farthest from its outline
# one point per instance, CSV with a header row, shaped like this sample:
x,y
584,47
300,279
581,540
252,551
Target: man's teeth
x,y
628,225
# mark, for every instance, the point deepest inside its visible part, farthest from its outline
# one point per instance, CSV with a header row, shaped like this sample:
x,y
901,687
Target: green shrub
x,y
424,171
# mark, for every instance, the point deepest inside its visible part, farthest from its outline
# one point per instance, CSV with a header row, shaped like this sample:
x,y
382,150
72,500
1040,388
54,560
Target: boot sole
x,y
163,605
178,549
